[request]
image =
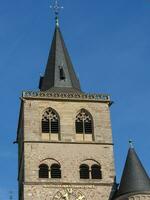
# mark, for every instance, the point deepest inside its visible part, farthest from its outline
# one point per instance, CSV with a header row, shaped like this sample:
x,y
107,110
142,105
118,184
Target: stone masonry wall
x,y
69,153
45,192
33,110
70,157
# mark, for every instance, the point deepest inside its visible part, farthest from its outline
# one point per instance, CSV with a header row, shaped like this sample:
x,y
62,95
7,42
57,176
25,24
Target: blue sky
x,y
109,42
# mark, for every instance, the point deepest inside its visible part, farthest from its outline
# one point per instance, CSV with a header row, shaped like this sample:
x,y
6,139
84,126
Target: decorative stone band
x,y
67,96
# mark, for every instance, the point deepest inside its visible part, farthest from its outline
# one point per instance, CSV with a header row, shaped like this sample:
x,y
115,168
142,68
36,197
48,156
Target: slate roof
x,y
134,178
59,74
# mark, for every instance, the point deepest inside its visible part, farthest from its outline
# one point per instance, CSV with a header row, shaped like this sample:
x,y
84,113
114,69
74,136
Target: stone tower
x,y
64,136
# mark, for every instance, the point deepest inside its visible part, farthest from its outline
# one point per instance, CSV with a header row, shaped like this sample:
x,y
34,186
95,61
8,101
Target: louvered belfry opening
x,y
50,121
96,172
62,73
84,123
43,171
84,171
55,171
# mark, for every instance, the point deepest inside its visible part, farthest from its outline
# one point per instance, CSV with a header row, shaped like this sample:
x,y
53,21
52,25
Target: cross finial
x,y
131,144
56,7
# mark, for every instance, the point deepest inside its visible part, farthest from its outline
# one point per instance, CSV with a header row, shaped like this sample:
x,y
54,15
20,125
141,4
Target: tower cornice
x,y
67,96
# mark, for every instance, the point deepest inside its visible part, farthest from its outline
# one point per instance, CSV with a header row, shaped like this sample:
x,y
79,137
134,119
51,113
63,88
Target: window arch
x,y
50,122
43,171
50,171
90,169
84,123
84,171
55,171
96,172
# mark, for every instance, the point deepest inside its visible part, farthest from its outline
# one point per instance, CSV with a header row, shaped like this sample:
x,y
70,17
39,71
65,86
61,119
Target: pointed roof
x,y
59,74
134,178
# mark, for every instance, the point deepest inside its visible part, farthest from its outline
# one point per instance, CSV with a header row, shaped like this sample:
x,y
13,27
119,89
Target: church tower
x,y
64,135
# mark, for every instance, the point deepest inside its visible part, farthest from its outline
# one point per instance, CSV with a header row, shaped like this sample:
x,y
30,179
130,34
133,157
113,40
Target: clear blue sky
x,y
109,42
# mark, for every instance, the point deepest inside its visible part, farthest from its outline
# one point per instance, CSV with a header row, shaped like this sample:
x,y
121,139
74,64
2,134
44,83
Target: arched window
x,y
55,171
50,121
96,172
43,171
84,171
84,123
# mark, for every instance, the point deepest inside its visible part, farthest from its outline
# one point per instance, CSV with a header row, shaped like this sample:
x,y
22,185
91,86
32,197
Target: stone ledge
x,y
63,142
68,184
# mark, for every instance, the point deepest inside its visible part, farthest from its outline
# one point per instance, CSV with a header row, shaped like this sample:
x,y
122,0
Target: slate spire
x,y
59,74
134,178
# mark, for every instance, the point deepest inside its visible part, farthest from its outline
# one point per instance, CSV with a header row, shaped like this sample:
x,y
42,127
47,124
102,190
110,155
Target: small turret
x,y
134,178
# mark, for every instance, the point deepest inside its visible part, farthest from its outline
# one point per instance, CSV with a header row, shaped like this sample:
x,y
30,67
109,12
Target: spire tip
x,y
57,21
131,144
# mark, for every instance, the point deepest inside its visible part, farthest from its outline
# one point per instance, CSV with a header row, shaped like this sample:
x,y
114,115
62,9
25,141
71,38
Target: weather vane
x,y
56,7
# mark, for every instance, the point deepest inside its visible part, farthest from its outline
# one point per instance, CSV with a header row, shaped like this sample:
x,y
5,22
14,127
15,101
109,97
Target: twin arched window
x,y
53,172
51,123
86,172
90,173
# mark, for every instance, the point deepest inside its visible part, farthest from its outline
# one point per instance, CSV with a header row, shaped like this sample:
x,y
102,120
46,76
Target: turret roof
x,y
134,178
